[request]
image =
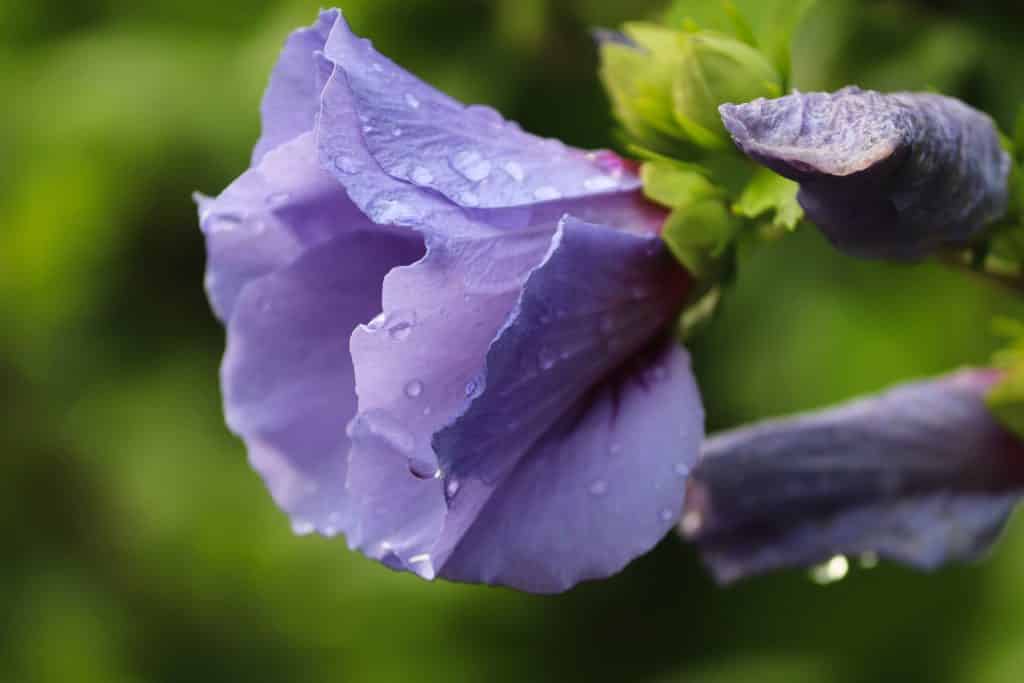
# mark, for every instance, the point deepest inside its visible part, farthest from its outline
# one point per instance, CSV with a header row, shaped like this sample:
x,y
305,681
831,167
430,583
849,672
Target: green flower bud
x,y
666,85
718,69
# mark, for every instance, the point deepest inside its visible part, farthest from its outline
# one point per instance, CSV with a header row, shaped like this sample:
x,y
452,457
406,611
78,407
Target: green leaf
x,y
1006,400
676,184
699,234
768,192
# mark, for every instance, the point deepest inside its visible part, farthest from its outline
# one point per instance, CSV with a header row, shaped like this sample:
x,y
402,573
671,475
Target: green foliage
x,y
1006,398
674,184
770,193
699,234
717,69
767,25
666,88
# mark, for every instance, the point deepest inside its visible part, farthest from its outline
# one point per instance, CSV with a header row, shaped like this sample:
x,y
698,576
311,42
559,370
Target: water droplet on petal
x,y
397,132
599,487
600,183
414,388
471,165
692,523
376,67
346,165
666,515
391,210
681,469
515,170
546,193
473,388
412,101
546,359
277,198
422,565
302,528
452,488
831,571
380,425
225,222
421,175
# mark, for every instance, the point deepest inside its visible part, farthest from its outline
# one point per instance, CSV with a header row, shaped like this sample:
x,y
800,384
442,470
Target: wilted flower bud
x,y
884,176
922,474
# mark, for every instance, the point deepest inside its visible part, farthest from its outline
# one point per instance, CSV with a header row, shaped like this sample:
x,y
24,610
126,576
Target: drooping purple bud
x,y
884,176
921,474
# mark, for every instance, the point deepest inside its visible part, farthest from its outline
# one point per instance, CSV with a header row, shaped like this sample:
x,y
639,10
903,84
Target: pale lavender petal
x,y
552,390
292,98
603,295
471,155
270,216
287,374
602,486
415,371
884,176
922,474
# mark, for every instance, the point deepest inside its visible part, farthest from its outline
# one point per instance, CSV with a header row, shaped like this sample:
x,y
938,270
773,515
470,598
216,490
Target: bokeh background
x,y
139,547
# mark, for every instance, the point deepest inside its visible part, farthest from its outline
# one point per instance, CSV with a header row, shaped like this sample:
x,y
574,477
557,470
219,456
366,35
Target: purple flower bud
x,y
447,338
884,176
921,474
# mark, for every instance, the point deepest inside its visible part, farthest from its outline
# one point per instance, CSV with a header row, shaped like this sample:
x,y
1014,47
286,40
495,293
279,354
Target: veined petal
x,y
593,297
471,155
884,176
552,394
292,98
417,367
921,474
270,216
287,374
600,487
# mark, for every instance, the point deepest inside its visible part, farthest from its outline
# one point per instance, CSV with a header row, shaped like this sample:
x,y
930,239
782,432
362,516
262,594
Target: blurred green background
x,y
140,547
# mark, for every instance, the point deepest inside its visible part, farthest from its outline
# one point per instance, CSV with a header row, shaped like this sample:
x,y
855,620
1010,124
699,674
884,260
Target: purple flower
x,y
884,176
921,474
447,339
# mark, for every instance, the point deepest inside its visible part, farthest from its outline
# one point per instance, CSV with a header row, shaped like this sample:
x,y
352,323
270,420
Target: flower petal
x,y
884,176
268,217
292,98
415,371
599,488
921,474
471,155
287,375
554,379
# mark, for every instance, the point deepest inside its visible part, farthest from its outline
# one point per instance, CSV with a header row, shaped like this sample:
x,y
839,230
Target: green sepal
x,y
768,25
1006,398
717,69
639,83
768,192
676,184
699,235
